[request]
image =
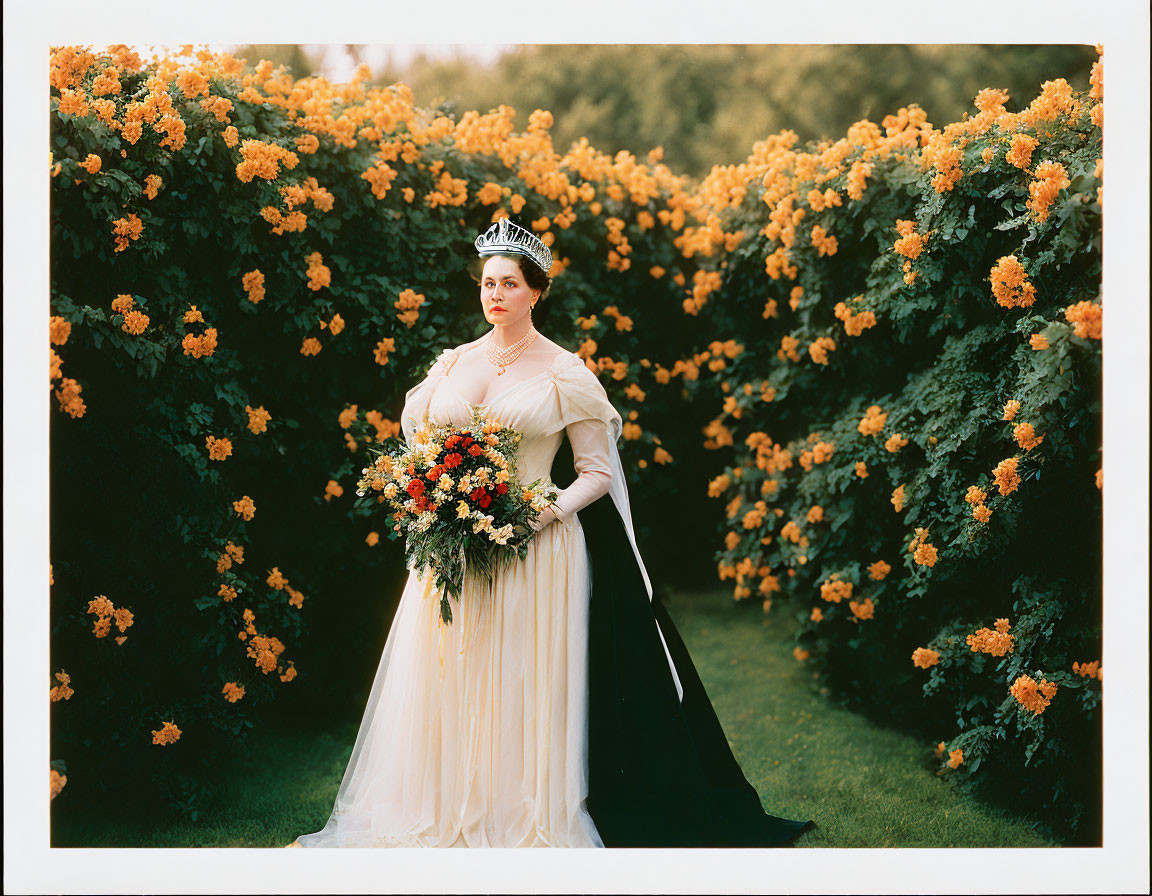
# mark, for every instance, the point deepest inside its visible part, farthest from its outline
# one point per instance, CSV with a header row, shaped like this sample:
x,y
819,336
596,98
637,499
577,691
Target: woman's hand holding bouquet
x,y
456,500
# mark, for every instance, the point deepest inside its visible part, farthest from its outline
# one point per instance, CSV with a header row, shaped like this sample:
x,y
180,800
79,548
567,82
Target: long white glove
x,y
590,456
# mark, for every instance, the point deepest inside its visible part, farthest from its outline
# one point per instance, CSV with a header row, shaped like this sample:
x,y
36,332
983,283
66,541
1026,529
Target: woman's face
x,y
504,294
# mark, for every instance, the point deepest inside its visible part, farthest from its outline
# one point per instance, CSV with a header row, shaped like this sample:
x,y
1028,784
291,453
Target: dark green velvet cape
x,y
661,772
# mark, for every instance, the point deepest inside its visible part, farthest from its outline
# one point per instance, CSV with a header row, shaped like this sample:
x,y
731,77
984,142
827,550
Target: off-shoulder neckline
x,y
553,365
551,370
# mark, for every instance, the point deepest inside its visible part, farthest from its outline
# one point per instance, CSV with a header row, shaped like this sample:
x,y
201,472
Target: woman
x,y
560,708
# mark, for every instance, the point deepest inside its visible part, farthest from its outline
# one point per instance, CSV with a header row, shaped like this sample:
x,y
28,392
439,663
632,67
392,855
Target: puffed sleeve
x,y
582,397
417,398
592,425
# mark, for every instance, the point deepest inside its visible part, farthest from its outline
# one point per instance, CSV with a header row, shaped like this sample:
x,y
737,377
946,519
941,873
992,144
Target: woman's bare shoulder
x,y
552,351
463,348
466,346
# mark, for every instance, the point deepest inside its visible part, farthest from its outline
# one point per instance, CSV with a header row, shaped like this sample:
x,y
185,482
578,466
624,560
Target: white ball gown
x,y
559,708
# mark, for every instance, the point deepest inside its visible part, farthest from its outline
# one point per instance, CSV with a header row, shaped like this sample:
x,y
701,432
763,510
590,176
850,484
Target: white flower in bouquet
x,y
483,475
445,483
391,490
539,502
501,535
484,524
465,484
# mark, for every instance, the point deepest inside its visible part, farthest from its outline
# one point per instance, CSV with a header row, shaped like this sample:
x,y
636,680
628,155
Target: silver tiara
x,y
506,236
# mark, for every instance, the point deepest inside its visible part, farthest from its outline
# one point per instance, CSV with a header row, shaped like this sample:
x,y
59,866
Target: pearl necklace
x,y
502,357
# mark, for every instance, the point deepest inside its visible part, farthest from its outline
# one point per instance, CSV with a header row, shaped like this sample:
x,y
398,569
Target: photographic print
x,y
618,445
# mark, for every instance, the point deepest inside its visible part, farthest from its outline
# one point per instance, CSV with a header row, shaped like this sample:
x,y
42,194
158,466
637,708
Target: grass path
x,y
863,785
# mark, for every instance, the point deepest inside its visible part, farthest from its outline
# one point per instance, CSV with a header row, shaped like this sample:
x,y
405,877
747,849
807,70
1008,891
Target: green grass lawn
x,y
862,784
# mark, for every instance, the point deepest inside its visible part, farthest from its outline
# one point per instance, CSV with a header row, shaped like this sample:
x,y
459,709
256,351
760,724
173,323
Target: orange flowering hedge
x,y
248,272
920,310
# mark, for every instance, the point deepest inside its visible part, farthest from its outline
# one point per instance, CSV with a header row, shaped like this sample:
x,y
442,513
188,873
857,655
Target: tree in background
x,y
706,104
295,56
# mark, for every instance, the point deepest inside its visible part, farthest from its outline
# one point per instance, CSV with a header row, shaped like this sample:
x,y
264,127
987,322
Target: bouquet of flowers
x,y
456,500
